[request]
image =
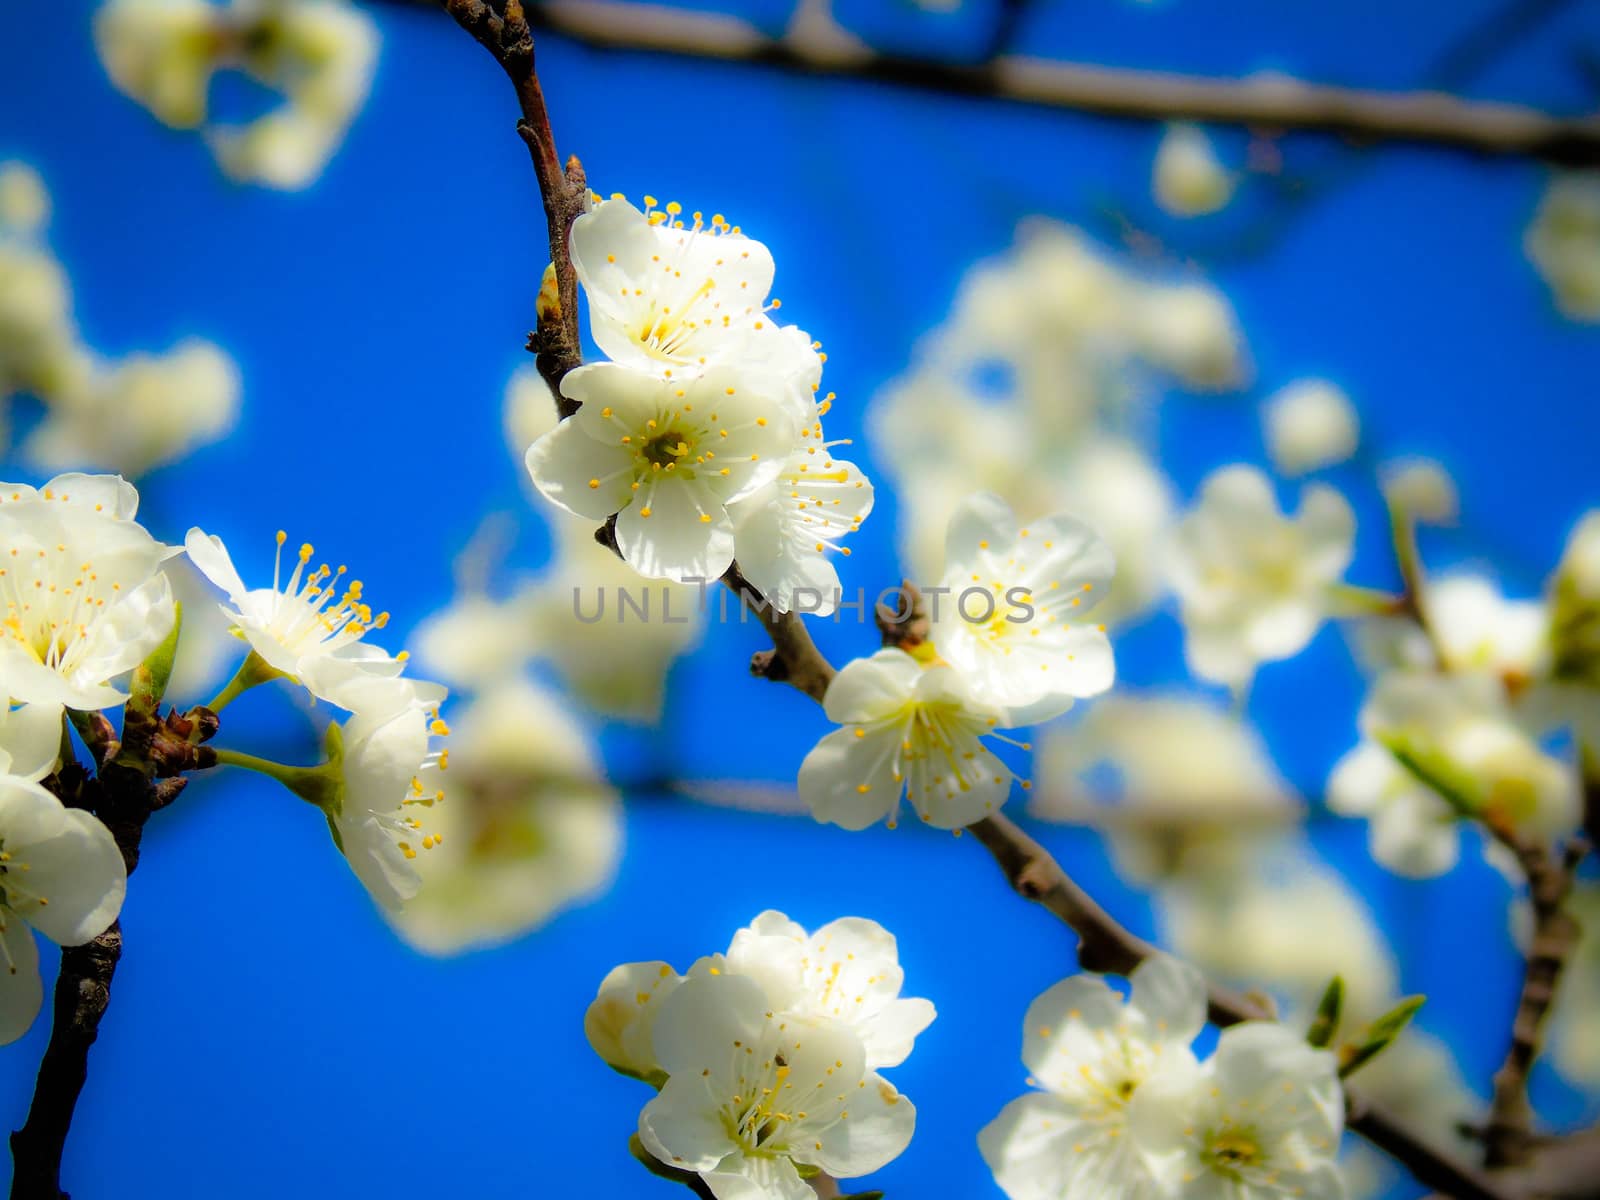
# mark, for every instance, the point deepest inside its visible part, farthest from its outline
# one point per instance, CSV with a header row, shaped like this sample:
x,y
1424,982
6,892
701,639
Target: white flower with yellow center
x,y
1091,1054
82,595
1260,1120
389,779
1254,584
909,731
1476,628
675,300
785,530
1457,734
60,873
849,971
309,627
753,1094
1013,623
531,826
666,456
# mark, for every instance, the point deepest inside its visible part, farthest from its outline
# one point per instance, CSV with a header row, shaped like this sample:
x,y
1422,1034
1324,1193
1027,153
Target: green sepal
x,y
1325,1024
150,678
1378,1036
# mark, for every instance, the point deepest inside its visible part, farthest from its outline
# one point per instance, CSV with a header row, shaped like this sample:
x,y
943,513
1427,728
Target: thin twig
x,y
1267,101
1508,1136
501,27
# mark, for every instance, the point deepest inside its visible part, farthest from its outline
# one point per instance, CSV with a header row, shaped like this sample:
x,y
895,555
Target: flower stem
x,y
317,785
254,671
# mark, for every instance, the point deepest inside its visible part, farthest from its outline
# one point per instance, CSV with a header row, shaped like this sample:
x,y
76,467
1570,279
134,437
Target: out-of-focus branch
x,y
1266,101
501,27
1508,1136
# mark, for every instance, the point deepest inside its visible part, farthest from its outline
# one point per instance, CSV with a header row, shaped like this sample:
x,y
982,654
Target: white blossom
x,y
82,596
1188,180
848,970
1254,584
620,1023
1261,1119
675,301
24,201
1310,424
1412,830
666,457
1475,628
910,731
390,779
1015,623
161,53
1460,733
60,873
530,826
310,627
1190,330
753,1094
1091,1054
1422,488
1563,243
139,412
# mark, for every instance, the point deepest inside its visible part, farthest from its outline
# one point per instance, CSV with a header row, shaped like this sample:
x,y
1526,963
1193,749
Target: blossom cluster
x,y
766,1058
1124,1108
128,414
318,55
914,721
702,432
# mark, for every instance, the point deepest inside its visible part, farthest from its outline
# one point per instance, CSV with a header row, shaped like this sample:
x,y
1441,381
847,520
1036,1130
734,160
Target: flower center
x,y
1233,1149
52,604
668,449
311,612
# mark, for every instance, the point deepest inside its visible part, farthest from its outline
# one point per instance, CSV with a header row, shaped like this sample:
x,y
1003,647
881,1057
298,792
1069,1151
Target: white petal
x,y
77,869
1171,995
1032,1148
687,534
31,737
378,861
701,1019
869,689
21,989
211,557
1063,1026
840,766
742,1178
565,461
683,1127
982,517
876,1132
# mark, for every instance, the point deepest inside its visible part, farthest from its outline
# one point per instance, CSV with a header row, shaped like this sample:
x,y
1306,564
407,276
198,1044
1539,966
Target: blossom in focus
x,y
530,826
1016,621
848,970
82,597
1091,1053
1195,792
1253,583
1188,180
61,873
1310,424
1563,242
309,627
908,730
1261,1119
753,1094
389,780
665,457
674,301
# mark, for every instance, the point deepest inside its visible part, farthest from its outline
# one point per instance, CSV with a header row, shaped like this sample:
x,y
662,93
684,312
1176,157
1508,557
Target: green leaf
x,y
1378,1036
1325,1024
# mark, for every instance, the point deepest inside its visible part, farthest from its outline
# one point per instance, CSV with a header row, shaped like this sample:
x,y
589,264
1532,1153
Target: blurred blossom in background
x,y
276,259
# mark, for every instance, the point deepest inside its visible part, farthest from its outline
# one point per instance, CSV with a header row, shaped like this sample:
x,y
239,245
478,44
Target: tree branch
x,y
1508,1134
501,27
1266,101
